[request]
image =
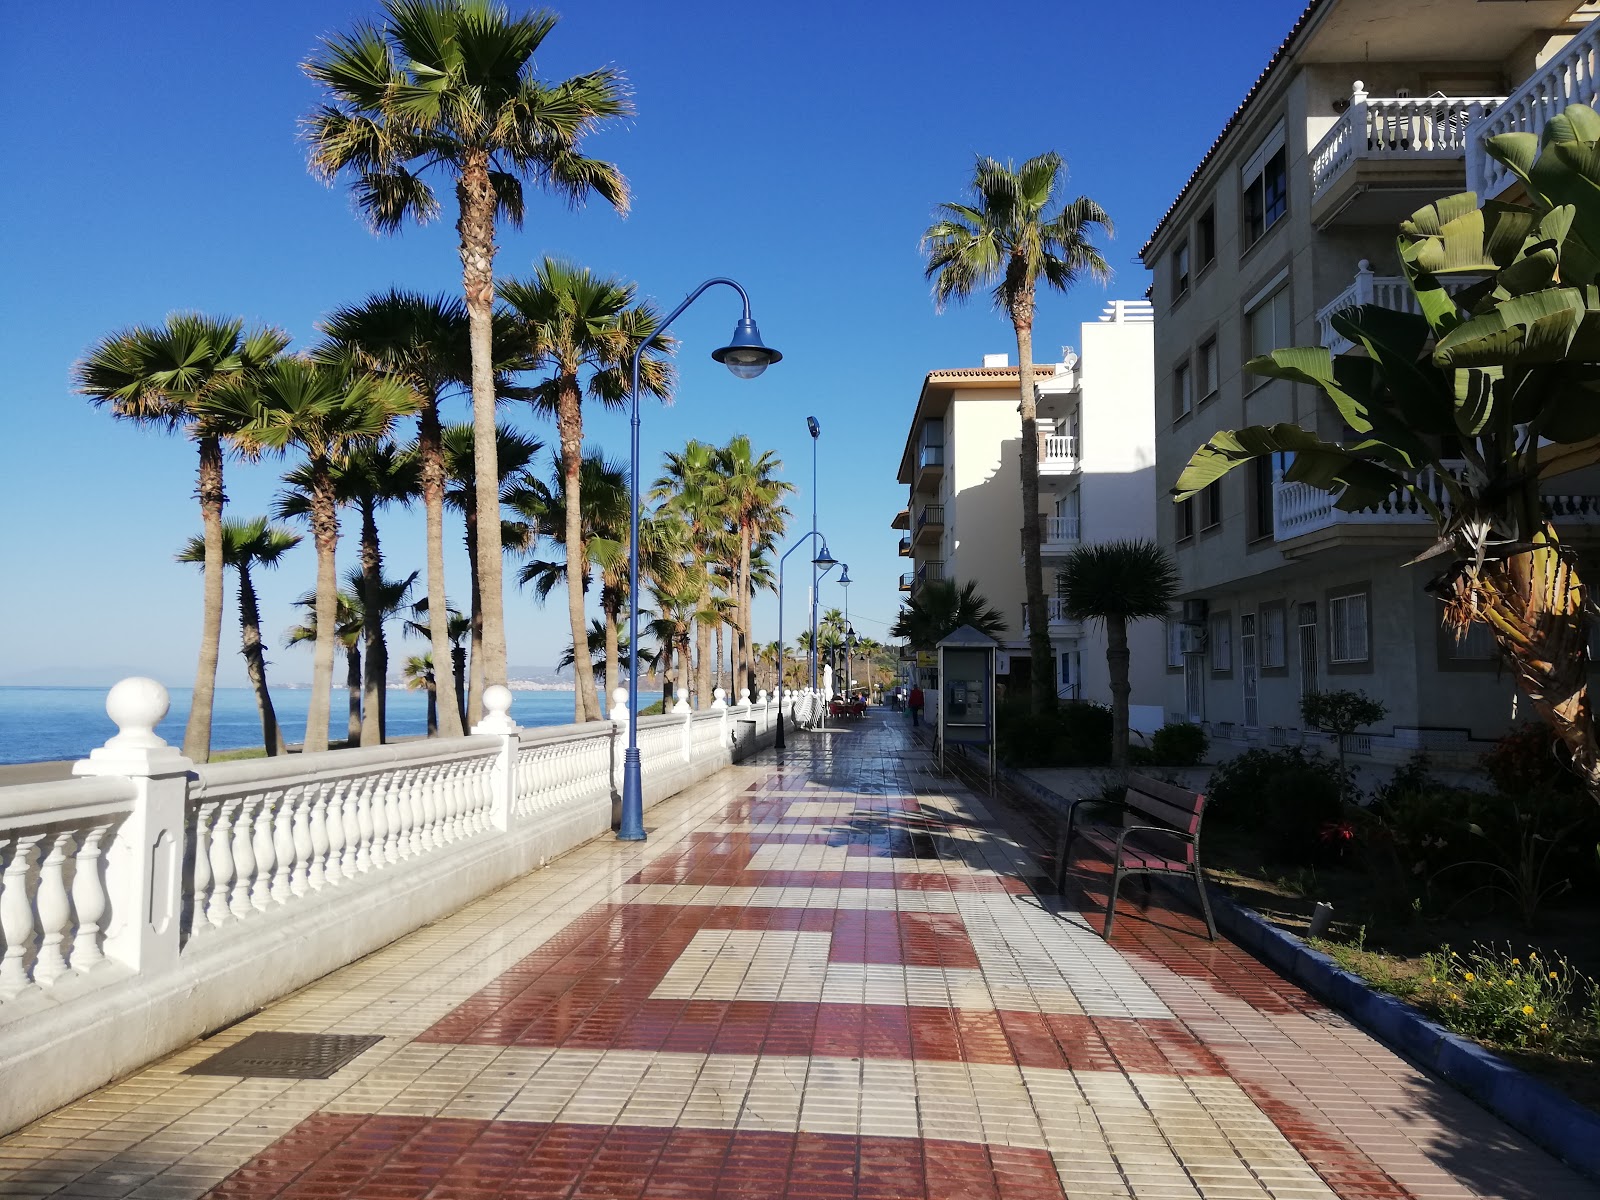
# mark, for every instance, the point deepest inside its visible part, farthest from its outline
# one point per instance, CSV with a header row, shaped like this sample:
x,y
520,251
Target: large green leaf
x,y
1570,411
1313,365
1326,465
1548,326
1419,393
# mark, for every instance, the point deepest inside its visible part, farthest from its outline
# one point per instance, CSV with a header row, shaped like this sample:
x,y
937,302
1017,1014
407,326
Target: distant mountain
x,y
540,675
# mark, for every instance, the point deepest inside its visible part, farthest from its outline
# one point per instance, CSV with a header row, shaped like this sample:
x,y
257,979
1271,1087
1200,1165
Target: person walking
x,y
915,704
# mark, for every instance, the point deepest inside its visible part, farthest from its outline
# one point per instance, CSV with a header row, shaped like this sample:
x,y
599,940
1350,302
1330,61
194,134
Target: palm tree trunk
x,y
702,646
430,452
325,533
352,687
664,664
197,732
569,423
255,663
433,708
371,628
1117,668
458,659
745,676
1043,686
685,664
475,683
717,680
476,199
613,615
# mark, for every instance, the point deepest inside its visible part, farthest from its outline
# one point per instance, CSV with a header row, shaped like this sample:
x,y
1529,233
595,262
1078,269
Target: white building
x,y
963,517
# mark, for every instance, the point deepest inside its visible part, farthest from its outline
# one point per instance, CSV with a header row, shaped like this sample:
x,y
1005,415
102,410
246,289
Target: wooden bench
x,y
1160,835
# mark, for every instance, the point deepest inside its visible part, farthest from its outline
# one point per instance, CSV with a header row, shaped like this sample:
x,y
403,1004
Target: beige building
x,y
1369,110
963,518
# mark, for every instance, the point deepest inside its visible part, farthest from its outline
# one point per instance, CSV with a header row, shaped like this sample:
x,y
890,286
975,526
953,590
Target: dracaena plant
x,y
1469,406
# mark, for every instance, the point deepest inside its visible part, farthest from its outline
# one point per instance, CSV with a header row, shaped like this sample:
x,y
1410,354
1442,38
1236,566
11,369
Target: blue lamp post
x,y
746,356
821,559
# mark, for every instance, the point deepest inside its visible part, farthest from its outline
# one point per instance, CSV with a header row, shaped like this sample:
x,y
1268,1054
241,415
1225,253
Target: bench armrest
x,y
1192,838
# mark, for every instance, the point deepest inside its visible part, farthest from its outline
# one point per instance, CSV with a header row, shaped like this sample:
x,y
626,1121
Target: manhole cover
x,y
287,1055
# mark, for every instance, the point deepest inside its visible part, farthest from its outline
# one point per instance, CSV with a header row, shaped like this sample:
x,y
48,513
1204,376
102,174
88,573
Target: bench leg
x,y
1205,902
1111,903
1063,846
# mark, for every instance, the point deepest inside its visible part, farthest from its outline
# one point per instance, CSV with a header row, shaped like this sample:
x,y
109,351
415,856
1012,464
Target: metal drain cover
x,y
287,1055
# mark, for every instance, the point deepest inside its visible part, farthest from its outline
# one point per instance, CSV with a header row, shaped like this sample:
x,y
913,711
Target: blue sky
x,y
154,165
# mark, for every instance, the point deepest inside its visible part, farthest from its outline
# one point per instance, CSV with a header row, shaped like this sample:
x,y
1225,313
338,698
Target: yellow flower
x,y
1527,1010
1453,996
1516,962
1433,979
1508,983
1543,1025
1533,956
1453,954
1469,976
1552,974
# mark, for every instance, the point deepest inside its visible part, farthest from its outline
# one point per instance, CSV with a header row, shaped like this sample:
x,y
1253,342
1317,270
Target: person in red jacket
x,y
915,704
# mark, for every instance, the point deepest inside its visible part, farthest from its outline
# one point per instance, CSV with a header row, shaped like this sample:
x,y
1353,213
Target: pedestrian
x,y
915,704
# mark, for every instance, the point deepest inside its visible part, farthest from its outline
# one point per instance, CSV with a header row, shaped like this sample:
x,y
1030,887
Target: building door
x,y
1247,669
1308,648
1194,688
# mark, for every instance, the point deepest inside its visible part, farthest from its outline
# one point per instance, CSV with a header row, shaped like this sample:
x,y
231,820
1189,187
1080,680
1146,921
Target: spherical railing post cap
x,y
497,701
136,706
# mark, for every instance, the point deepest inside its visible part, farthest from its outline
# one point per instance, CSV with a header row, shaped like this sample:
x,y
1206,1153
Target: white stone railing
x,y
151,900
1058,451
1568,78
1401,127
1055,614
1386,291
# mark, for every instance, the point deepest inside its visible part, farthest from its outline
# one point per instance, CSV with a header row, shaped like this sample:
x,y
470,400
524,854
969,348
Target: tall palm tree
x,y
543,510
940,607
1118,582
458,627
449,85
329,411
1007,238
418,673
247,544
583,329
347,627
514,450
162,375
689,488
752,499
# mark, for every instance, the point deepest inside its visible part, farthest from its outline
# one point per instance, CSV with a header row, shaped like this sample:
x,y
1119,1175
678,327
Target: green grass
x,y
236,755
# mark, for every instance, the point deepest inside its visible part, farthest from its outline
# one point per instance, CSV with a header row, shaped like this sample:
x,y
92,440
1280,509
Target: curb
x,y
1555,1123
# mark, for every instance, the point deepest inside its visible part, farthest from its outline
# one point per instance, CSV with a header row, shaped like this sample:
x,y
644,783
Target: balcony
x,y
929,572
905,546
1568,78
930,469
1058,536
1058,455
1061,626
1385,157
1298,510
930,525
905,581
1386,291
902,519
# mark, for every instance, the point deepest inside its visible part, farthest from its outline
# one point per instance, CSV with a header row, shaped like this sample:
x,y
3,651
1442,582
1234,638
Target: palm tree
x,y
575,323
418,673
514,450
939,608
163,375
330,412
752,500
450,84
347,627
1005,238
688,488
1118,582
248,544
457,628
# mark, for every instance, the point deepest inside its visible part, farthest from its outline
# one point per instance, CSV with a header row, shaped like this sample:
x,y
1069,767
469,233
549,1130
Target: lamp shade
x,y
844,576
823,558
745,354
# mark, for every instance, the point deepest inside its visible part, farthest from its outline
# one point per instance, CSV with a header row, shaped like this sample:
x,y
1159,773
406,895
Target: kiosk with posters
x,y
966,692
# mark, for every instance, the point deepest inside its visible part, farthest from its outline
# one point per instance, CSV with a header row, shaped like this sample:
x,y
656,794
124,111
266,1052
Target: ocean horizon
x,y
47,724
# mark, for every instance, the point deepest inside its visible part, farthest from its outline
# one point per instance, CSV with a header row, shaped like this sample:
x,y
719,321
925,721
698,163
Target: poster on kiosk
x,y
966,692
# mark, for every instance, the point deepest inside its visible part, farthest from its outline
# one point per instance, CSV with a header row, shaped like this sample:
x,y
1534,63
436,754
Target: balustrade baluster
x,y
394,814
244,856
410,815
89,897
54,908
266,853
283,847
198,890
430,785
374,823
322,837
16,911
222,868
456,798
304,845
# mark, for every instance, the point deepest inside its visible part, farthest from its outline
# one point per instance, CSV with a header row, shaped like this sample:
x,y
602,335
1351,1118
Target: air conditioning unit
x,y
1194,612
1192,639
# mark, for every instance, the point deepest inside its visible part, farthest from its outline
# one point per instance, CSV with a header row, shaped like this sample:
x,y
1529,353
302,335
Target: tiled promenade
x,y
828,977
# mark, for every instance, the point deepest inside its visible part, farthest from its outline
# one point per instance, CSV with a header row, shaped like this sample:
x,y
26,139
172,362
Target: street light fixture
x,y
845,581
746,356
815,429
820,559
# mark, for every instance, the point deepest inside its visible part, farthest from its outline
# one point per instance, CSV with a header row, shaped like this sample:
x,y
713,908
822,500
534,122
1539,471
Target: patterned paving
x,y
830,976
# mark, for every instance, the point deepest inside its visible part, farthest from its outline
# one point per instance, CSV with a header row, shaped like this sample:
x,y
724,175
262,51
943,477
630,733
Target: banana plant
x,y
1470,404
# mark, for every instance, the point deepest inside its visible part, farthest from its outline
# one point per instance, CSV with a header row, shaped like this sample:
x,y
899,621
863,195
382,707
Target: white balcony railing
x,y
1396,128
1386,291
1060,530
1055,614
1568,78
1058,453
1299,508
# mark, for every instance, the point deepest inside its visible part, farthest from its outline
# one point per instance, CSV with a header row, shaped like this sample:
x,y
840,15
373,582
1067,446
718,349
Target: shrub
x,y
1530,759
1495,996
1181,745
1237,790
1077,734
1304,811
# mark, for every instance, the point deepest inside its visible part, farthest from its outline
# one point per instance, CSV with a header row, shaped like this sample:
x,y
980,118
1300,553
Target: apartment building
x,y
1369,110
963,517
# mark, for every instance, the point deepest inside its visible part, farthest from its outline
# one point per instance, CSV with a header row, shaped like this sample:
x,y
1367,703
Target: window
x,y
1274,636
1261,481
1182,390
1266,188
1267,328
1205,232
1185,519
1308,648
1174,644
1206,368
1211,506
1478,645
1348,640
1180,271
1221,644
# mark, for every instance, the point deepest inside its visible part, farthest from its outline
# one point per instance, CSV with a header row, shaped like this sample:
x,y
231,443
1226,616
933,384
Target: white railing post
x,y
497,722
144,866
619,708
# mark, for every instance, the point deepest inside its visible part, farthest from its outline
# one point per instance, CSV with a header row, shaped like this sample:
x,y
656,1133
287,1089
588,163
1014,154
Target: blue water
x,y
38,724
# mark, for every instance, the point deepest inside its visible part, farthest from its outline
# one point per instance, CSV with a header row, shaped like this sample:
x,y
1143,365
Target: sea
x,y
44,724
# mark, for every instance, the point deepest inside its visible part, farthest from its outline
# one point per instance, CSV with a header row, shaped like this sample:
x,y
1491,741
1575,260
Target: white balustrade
x,y
1569,77
1386,291
1058,450
1396,128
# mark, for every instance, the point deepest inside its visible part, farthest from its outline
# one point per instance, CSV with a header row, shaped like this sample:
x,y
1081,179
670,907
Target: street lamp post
x,y
821,558
746,356
816,432
845,581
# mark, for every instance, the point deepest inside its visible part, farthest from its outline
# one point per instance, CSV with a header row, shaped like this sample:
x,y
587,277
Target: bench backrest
x,y
1152,802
